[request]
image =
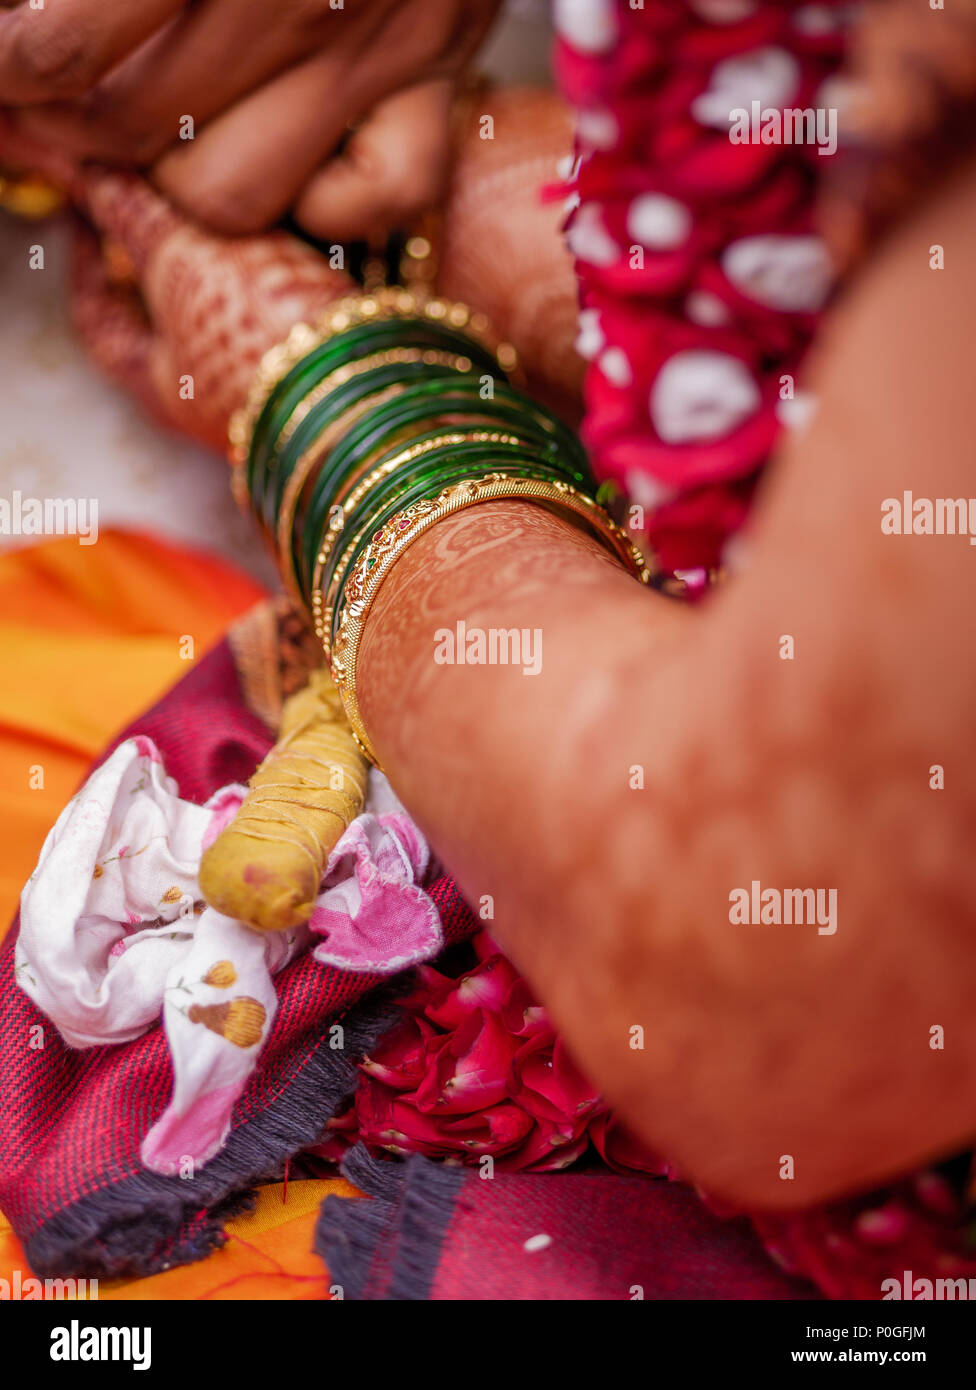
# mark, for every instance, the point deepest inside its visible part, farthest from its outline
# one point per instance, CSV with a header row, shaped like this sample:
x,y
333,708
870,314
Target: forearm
x,y
601,811
614,897
800,773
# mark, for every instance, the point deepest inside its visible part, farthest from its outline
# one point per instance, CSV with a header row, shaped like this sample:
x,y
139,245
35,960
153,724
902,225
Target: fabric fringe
x,y
147,1223
404,1224
347,1238
428,1202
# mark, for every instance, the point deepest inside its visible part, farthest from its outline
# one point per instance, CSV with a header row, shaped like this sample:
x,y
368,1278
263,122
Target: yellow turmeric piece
x,y
266,866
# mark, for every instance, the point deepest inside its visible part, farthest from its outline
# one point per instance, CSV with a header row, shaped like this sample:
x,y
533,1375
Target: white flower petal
x,y
770,76
590,338
705,308
589,240
658,222
615,366
792,273
587,25
701,394
598,129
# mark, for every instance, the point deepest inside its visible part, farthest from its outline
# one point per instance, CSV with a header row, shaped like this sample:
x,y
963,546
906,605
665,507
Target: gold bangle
x,y
322,605
388,302
390,542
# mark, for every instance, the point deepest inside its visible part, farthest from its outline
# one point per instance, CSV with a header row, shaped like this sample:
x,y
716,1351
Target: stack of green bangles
x,y
360,433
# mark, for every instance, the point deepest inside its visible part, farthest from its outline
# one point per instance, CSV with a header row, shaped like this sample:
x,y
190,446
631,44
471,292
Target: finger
x,y
61,48
113,324
394,166
141,108
127,209
244,170
20,151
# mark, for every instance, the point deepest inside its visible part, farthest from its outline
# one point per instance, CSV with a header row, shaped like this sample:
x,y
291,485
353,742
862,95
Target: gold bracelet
x,y
322,604
29,195
388,302
391,540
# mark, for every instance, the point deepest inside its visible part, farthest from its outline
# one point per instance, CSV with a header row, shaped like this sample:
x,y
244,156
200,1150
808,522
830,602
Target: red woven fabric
x,y
71,1121
438,1232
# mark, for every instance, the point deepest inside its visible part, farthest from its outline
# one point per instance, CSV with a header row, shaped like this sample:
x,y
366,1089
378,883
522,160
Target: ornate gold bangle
x,y
322,604
401,531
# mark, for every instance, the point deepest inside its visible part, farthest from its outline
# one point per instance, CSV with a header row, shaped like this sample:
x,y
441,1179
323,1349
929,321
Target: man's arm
x,y
759,1041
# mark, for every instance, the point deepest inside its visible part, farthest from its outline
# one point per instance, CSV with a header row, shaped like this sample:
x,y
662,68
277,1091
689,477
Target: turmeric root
x,y
266,866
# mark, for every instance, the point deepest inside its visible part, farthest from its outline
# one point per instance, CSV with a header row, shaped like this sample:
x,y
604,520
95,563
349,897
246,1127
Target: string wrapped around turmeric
x,y
266,866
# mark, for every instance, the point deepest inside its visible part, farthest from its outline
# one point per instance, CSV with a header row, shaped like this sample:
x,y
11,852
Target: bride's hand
x,y
181,316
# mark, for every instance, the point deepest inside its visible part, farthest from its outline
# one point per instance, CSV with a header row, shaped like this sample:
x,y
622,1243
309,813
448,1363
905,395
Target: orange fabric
x,y
268,1254
91,635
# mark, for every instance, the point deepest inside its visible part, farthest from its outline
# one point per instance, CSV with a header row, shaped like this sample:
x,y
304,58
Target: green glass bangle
x,y
467,388
431,467
458,463
360,341
361,377
450,407
331,408
346,347
386,424
335,580
430,403
319,444
430,462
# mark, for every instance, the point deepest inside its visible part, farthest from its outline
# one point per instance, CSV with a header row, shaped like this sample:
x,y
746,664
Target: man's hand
x,y
243,110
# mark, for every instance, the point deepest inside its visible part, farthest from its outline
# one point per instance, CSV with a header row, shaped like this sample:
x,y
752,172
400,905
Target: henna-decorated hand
x,y
187,337
185,330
